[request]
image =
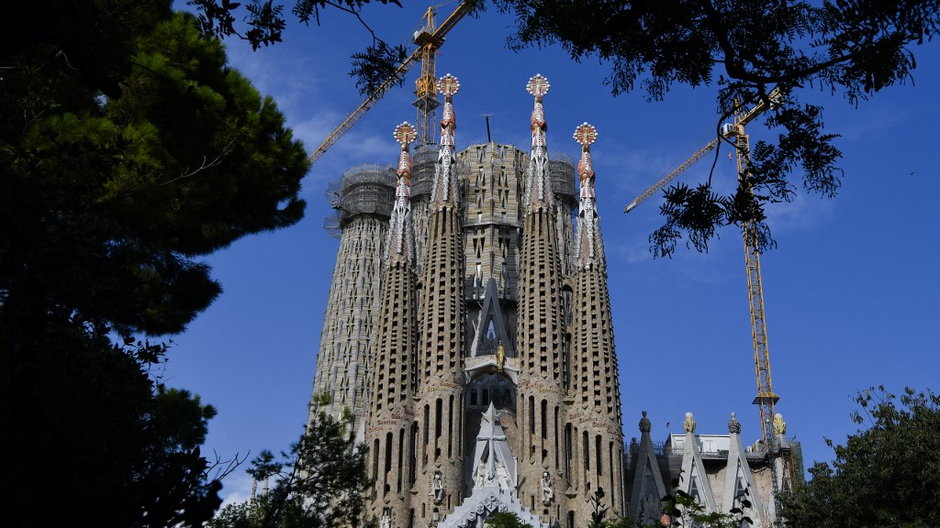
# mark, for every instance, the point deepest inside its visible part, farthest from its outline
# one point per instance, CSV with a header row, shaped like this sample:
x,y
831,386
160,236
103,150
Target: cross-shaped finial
x,y
404,133
448,85
585,134
537,86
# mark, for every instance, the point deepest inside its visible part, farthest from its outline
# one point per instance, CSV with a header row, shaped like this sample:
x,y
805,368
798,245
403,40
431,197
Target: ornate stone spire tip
x,y
780,426
585,134
734,426
537,86
448,85
404,134
645,425
689,423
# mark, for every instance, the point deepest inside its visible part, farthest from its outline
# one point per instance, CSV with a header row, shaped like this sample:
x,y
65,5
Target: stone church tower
x,y
469,331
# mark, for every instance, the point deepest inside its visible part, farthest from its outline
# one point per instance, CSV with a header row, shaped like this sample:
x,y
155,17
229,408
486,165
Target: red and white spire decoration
x,y
404,135
587,238
400,237
539,192
445,182
585,134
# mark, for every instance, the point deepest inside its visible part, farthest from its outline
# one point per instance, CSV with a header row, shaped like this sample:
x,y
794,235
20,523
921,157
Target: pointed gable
x,y
494,481
648,487
739,484
491,320
693,479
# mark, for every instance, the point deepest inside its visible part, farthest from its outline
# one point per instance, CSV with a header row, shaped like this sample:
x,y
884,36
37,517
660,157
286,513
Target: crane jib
x,y
436,37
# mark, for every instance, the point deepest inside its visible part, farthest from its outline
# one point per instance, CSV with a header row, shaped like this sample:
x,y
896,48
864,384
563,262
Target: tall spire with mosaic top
x,y
595,386
440,412
401,229
540,338
445,188
538,193
392,389
588,246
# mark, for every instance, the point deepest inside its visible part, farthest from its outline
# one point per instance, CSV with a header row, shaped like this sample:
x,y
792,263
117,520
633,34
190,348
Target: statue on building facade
x,y
548,494
689,423
437,488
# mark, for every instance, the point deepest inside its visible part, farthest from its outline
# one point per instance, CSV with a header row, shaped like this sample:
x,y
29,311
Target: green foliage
x,y
266,19
94,440
505,520
886,474
598,509
746,48
128,150
379,62
685,510
120,169
320,482
620,522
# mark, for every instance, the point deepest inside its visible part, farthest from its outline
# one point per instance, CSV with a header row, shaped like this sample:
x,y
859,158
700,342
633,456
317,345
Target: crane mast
x,y
766,399
425,86
429,39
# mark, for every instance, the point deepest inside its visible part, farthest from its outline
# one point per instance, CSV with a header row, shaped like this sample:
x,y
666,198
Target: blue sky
x,y
851,291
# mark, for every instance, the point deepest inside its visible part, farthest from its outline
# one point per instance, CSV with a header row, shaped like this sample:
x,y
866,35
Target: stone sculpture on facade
x,y
688,425
437,488
548,494
780,427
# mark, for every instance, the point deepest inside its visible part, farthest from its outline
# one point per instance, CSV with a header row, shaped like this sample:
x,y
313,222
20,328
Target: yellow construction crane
x,y
726,132
766,398
428,39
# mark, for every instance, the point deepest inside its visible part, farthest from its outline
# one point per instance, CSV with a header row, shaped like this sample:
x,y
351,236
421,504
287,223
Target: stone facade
x,y
718,470
486,377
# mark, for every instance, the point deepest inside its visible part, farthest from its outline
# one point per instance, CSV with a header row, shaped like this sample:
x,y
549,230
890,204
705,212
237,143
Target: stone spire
x,y
594,382
739,490
734,426
538,192
390,435
445,189
400,247
440,412
588,247
540,338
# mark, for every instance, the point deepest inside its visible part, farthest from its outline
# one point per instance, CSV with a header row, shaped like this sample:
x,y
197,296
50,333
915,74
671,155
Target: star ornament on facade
x,y
448,85
404,134
537,86
585,134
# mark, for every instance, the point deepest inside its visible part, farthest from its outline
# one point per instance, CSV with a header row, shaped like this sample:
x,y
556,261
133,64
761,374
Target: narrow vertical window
x,y
532,415
544,413
450,426
597,453
388,463
401,455
586,449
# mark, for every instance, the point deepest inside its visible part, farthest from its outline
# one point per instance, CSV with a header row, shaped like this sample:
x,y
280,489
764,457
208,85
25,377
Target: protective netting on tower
x,y
364,189
561,172
423,161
